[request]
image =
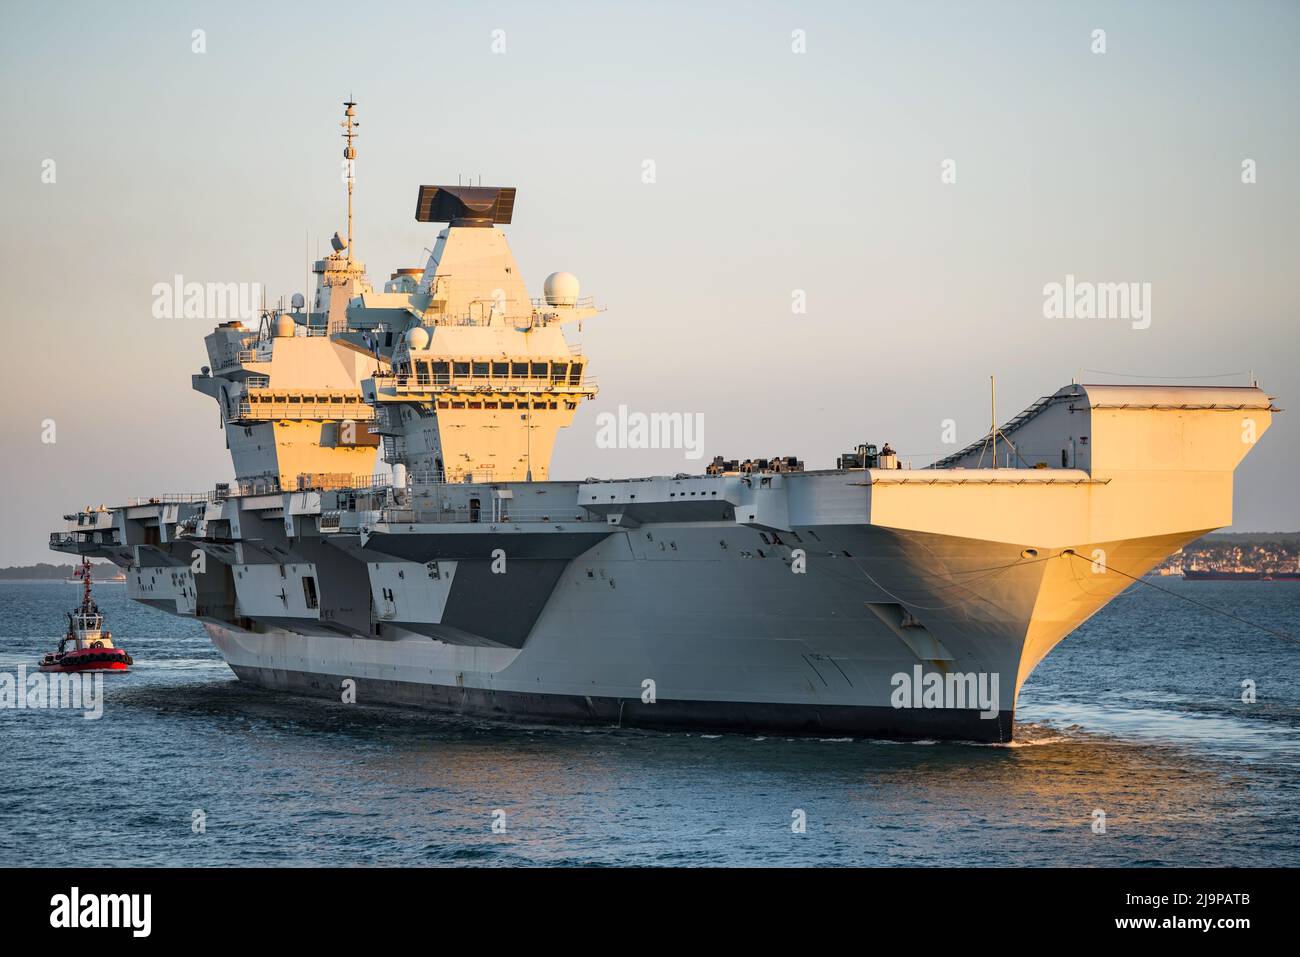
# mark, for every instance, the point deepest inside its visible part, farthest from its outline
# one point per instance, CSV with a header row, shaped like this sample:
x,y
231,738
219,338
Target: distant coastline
x,y
44,571
1237,555
1249,538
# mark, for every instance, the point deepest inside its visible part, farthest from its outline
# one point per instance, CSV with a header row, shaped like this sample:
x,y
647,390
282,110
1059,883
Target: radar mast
x,y
350,125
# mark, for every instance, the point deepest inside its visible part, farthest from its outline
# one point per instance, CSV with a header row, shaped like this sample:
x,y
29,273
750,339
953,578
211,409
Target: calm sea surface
x,y
1138,714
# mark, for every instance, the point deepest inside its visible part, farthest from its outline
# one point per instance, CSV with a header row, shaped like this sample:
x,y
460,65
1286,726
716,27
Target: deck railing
x,y
461,514
238,357
260,411
469,383
378,482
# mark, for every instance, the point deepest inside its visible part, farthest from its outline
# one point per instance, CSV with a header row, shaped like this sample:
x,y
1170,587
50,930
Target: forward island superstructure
x,y
392,522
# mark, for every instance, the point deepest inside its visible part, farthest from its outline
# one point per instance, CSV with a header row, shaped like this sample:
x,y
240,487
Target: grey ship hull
x,y
730,638
701,715
708,612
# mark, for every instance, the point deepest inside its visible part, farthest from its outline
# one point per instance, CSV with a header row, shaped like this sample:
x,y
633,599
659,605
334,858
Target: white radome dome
x,y
284,326
561,289
417,339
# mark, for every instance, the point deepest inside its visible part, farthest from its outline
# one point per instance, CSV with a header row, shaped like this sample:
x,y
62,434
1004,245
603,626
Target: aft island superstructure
x,y
392,522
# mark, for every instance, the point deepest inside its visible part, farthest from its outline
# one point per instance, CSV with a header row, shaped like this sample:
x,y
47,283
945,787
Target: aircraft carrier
x,y
392,532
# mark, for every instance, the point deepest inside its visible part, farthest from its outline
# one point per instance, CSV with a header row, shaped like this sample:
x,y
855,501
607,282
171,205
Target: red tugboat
x,y
91,647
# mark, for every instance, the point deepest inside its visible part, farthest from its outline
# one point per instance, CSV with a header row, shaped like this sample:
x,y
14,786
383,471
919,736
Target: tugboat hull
x,y
88,662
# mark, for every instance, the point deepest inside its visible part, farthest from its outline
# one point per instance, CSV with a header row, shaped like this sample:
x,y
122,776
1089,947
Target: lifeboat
x,y
86,647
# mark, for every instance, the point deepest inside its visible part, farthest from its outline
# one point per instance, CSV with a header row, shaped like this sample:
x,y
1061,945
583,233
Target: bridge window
x,y
480,370
558,371
539,370
575,374
500,370
519,369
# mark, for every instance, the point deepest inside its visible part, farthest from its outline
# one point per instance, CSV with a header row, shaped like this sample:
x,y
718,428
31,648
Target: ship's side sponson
x,y
1109,481
1174,449
1136,460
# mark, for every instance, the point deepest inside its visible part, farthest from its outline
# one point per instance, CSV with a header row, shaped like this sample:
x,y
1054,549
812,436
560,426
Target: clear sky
x,y
775,171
